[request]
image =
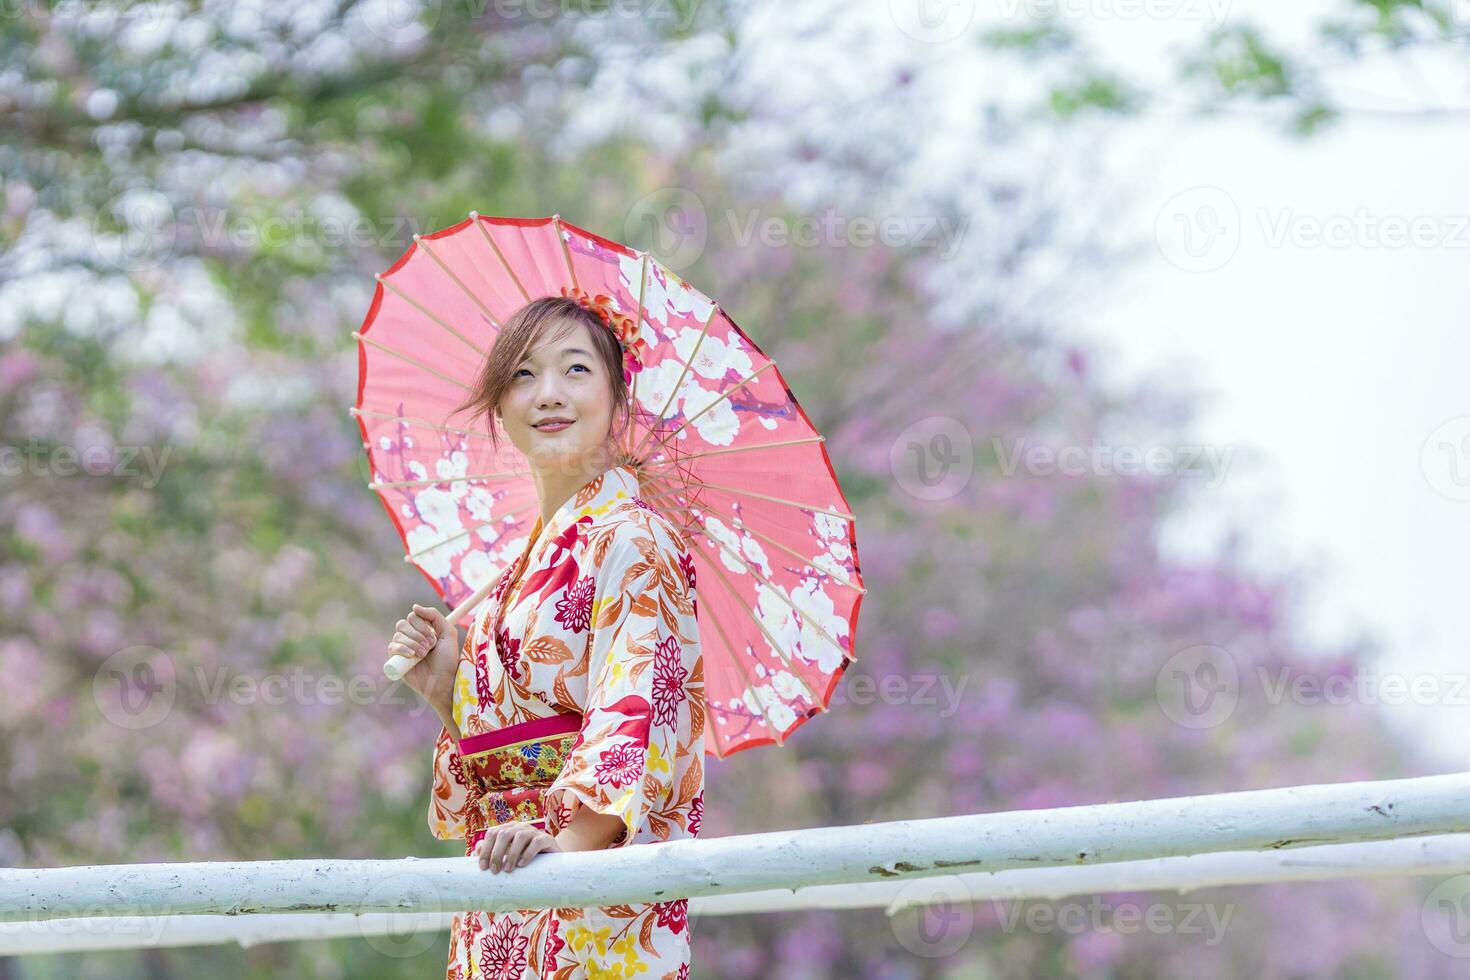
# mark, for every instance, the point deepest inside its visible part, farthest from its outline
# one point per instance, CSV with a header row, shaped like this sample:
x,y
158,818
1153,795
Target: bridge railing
x,y
1177,843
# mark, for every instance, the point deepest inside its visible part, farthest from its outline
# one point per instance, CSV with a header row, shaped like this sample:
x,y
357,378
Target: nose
x,y
548,391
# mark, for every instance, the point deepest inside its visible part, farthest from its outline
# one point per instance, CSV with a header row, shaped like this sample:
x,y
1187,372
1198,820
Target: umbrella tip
x,y
474,214
417,236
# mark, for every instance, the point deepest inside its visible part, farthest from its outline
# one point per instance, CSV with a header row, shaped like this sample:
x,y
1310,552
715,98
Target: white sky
x,y
1329,366
1336,363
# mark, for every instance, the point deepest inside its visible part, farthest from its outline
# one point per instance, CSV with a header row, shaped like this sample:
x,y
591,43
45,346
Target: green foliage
x,y
1242,63
1109,94
1042,39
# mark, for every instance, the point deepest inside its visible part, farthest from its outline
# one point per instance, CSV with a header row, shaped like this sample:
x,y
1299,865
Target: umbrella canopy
x,y
718,443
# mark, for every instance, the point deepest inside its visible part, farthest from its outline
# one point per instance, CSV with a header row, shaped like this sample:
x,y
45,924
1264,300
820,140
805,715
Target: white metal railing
x,y
1171,843
1442,854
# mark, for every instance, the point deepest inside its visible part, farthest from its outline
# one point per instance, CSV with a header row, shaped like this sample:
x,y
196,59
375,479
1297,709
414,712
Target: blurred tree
x,y
195,198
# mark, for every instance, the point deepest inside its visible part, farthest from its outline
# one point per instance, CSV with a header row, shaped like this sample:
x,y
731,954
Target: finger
x,y
515,853
539,843
508,837
496,854
414,644
482,851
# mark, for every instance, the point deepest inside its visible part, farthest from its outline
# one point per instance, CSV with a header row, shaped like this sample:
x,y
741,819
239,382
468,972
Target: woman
x,y
574,712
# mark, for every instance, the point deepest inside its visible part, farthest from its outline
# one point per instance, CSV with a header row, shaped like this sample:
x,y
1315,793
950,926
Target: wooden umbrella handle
x,y
398,665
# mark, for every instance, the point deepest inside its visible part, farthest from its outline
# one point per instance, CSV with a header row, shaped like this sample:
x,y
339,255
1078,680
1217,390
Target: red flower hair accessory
x,y
622,326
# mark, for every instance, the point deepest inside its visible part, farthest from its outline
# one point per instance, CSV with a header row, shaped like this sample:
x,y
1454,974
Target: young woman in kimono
x,y
573,713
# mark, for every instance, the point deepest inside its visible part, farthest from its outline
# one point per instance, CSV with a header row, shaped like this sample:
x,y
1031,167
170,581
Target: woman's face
x,y
560,379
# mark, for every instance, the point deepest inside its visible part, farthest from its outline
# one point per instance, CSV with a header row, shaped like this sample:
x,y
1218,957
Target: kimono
x,y
581,683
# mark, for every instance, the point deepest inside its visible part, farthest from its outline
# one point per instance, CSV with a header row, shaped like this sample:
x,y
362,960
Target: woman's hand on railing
x,y
508,846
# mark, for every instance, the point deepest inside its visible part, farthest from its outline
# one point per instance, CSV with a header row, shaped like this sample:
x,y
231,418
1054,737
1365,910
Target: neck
x,y
558,480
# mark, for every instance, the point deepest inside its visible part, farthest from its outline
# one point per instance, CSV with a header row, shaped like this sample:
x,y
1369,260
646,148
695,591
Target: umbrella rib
x,y
421,240
411,420
428,481
739,659
695,481
432,316
566,252
411,556
785,657
724,395
638,319
765,581
499,255
848,583
843,580
404,357
674,392
673,461
768,584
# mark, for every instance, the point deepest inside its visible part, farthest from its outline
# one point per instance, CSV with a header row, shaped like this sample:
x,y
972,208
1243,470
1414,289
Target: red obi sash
x,y
509,770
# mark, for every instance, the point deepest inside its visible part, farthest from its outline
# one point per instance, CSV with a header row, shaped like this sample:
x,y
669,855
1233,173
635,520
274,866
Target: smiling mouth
x,y
554,426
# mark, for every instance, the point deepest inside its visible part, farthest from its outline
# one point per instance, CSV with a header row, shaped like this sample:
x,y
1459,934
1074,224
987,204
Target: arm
x,y
590,831
450,794
446,716
642,667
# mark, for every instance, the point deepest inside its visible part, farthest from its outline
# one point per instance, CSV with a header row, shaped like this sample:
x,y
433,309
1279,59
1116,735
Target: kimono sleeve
x,y
450,795
641,668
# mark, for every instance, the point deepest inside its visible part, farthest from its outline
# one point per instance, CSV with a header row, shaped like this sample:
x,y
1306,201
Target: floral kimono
x,y
581,683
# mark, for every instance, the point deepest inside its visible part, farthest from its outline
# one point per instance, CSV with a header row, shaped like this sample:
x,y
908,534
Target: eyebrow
x,y
565,351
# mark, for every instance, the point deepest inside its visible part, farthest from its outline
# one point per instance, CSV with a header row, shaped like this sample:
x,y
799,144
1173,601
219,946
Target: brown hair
x,y
515,340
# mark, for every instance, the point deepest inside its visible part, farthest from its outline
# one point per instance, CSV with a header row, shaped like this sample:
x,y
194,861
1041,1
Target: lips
x,y
554,424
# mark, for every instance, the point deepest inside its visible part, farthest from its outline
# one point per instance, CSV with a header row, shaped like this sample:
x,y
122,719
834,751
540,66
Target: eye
x,y
518,372
582,366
